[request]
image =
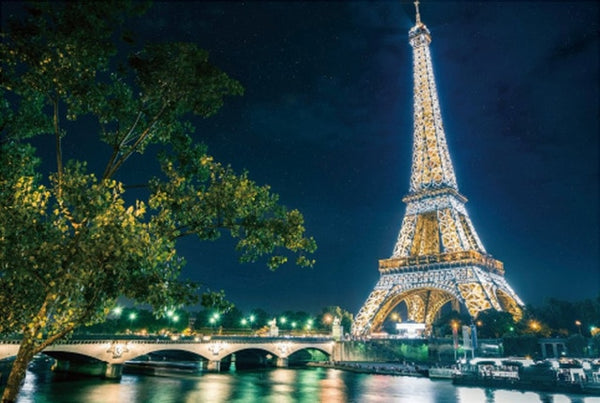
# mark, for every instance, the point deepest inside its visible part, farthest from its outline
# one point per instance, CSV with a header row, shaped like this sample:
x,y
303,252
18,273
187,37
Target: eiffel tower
x,y
438,257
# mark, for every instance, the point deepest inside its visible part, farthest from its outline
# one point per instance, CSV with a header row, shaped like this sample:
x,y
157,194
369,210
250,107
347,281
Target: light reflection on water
x,y
310,385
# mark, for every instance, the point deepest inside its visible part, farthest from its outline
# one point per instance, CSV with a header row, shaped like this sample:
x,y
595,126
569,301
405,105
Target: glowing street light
x,y
454,325
534,325
132,317
578,324
172,317
117,310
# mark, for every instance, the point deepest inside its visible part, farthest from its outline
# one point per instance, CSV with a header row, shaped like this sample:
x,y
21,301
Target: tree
x,y
73,238
442,326
576,345
494,324
216,302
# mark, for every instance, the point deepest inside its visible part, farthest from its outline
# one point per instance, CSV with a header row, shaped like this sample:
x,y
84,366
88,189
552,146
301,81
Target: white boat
x,y
442,373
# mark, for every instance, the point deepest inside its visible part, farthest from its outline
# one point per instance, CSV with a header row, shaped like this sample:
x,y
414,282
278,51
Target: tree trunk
x,y
17,373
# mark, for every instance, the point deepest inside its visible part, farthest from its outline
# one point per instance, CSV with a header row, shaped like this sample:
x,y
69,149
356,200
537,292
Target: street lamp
x,y
132,317
214,319
455,337
170,314
309,324
578,324
534,325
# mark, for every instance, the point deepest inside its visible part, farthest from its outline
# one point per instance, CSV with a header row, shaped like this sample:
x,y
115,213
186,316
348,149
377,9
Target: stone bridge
x,y
115,351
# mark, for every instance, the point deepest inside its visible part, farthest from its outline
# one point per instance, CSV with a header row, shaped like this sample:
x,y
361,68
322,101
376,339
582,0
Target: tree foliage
x,y
72,240
216,302
494,324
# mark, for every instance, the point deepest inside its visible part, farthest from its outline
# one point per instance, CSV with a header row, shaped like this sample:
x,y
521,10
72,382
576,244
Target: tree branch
x,y
119,161
59,163
117,147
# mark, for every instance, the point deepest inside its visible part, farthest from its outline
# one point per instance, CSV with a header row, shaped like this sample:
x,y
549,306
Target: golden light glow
x,y
438,256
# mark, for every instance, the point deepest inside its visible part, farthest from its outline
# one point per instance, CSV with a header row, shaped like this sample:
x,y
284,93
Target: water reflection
x,y
213,388
275,385
332,387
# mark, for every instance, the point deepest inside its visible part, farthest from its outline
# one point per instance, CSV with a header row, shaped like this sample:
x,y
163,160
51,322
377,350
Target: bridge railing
x,y
109,339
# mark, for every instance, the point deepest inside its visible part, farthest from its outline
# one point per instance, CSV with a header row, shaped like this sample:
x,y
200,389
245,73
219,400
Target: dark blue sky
x,y
326,120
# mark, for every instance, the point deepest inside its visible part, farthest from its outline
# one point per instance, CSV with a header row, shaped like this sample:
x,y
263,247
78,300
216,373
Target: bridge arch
x,y
119,351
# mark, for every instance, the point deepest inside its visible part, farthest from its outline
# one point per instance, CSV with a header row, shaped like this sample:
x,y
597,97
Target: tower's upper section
x,y
431,165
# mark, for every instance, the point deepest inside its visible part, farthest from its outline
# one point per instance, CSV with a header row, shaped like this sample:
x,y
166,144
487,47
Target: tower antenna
x,y
418,14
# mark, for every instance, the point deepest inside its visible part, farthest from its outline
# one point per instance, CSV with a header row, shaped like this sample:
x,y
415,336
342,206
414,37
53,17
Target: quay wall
x,y
416,350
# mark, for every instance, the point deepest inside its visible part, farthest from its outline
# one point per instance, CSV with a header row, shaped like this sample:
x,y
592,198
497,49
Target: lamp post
x,y
170,314
214,319
309,324
578,324
283,321
132,317
455,338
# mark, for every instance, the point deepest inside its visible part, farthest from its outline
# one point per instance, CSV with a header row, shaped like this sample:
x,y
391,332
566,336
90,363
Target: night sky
x,y
326,120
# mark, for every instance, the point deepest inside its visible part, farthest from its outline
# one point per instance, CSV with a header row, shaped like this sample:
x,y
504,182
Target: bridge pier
x,y
214,365
281,362
113,371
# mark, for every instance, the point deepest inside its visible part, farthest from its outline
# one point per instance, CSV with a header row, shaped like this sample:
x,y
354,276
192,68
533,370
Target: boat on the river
x,y
443,372
564,376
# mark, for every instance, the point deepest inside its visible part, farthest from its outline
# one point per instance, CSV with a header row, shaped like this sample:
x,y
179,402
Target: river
x,y
278,385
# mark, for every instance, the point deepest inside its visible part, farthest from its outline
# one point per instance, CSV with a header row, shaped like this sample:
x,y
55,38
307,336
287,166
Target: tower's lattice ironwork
x,y
438,257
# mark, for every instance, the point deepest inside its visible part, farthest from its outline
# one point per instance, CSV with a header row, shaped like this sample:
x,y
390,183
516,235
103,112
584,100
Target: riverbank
x,y
381,368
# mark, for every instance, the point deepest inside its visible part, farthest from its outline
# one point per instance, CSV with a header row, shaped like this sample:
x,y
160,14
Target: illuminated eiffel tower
x,y
438,257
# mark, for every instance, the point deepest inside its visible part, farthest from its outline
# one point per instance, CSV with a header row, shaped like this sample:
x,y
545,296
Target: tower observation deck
x,y
438,257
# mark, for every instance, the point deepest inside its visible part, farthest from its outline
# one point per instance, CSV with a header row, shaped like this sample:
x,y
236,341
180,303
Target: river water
x,y
278,385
